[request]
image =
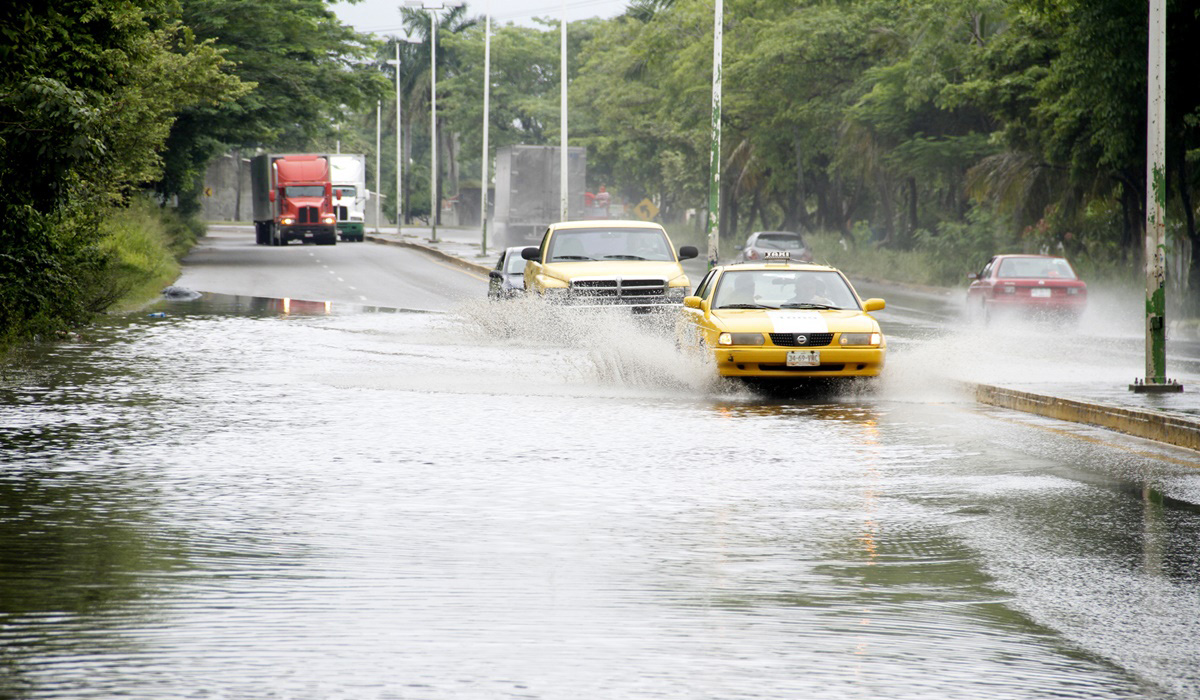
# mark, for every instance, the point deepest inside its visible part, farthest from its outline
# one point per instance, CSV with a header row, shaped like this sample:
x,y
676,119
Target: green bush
x,y
142,244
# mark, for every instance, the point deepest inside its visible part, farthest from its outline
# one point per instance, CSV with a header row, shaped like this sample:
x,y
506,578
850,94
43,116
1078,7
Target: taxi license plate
x,y
1039,292
803,358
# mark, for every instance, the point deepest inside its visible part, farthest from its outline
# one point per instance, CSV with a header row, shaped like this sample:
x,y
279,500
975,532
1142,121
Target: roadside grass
x,y
143,244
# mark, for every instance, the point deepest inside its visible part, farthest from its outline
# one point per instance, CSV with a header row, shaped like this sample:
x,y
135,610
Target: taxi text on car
x,y
778,319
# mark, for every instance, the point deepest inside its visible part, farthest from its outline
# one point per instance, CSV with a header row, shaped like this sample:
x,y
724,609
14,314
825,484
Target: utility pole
x,y
565,209
487,91
378,137
714,158
399,137
1156,199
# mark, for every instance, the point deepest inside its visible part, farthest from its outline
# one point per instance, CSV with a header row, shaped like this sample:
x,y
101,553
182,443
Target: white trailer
x,y
348,173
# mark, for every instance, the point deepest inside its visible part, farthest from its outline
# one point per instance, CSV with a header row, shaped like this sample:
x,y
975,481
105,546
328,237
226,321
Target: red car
x,y
1030,285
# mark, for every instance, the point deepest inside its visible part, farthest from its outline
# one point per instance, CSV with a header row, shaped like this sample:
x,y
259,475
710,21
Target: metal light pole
x,y
378,136
714,158
564,208
1156,200
435,205
399,136
487,93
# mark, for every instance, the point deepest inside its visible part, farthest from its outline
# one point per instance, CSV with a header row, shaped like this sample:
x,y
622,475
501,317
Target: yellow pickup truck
x,y
607,263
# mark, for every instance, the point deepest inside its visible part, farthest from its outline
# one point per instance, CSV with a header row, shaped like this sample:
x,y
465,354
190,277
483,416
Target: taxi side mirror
x,y
972,276
692,302
531,253
688,252
873,305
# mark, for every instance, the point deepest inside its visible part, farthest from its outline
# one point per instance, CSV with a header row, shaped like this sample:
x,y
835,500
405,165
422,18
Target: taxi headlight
x,y
861,338
740,339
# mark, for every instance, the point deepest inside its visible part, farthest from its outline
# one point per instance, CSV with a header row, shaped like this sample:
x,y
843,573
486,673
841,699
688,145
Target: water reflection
x,y
232,502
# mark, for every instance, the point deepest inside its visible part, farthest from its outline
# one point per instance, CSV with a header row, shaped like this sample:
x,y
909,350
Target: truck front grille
x,y
307,215
617,290
343,214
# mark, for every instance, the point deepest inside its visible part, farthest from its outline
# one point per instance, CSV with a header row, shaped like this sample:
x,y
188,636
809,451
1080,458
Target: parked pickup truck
x,y
607,263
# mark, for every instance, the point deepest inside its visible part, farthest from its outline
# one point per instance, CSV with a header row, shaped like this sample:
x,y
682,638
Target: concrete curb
x,y
467,265
1170,428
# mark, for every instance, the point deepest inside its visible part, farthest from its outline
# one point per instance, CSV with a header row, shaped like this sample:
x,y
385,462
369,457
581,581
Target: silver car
x,y
760,242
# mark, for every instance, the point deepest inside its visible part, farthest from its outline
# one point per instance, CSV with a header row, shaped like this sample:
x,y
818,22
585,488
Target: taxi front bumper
x,y
770,361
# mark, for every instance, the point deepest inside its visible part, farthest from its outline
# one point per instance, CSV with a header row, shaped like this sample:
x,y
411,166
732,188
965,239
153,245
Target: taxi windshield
x,y
572,245
1036,268
783,289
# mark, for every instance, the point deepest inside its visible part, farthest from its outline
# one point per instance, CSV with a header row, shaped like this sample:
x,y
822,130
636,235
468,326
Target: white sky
x,y
383,16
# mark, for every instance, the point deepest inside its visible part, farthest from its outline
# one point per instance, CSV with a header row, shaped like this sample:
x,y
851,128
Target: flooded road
x,y
247,499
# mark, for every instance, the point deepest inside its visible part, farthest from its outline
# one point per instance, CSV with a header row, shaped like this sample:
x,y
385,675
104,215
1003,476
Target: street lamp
x,y
399,134
433,6
714,156
487,92
564,209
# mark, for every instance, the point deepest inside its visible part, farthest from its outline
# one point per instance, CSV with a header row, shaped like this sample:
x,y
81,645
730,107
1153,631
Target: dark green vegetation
x,y
101,100
951,128
916,130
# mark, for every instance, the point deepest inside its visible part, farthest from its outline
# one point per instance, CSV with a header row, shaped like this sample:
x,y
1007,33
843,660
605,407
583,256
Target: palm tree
x,y
416,84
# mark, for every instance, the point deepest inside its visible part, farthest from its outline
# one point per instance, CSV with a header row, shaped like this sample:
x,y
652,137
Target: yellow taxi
x,y
607,263
778,319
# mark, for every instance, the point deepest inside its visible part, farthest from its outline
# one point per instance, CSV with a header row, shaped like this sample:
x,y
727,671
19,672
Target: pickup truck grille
x,y
618,290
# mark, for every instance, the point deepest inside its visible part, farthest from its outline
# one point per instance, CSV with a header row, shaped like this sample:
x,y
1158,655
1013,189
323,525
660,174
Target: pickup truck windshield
x,y
304,191
601,243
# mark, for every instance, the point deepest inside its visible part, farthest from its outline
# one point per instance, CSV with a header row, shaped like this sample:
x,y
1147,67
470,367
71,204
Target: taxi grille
x,y
806,340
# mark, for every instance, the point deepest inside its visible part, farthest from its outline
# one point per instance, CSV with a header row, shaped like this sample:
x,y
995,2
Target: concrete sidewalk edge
x,y
454,259
1172,429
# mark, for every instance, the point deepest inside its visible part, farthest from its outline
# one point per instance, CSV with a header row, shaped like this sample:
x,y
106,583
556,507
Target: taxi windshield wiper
x,y
807,305
623,257
570,257
747,306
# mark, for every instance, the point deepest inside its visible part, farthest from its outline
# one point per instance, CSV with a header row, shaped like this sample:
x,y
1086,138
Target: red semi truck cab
x,y
299,200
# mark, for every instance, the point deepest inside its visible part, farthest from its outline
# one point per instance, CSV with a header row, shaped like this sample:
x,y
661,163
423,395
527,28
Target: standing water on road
x,y
251,499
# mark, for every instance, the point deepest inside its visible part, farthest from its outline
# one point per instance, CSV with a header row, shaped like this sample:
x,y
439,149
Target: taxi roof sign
x,y
775,255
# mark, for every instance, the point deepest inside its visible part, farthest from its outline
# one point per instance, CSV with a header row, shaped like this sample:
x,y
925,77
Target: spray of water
x,y
611,347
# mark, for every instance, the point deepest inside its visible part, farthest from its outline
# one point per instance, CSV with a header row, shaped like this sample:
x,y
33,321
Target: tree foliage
x,y
88,90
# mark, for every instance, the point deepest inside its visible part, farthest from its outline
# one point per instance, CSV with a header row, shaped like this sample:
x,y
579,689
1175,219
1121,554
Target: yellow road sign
x,y
207,191
645,210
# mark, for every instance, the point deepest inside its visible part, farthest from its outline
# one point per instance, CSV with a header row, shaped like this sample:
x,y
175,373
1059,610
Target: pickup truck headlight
x,y
677,293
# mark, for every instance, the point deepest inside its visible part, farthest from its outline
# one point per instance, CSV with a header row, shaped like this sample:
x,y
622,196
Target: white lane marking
x,y
341,280
362,298
353,288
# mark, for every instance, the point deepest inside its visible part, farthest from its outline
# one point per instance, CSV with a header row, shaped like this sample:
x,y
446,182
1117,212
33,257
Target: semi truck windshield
x,y
304,191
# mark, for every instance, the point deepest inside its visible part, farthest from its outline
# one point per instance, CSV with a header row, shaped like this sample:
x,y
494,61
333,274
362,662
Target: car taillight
x,y
752,254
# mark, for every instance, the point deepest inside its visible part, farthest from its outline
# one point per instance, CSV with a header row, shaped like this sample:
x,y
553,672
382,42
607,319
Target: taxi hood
x,y
794,321
632,269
